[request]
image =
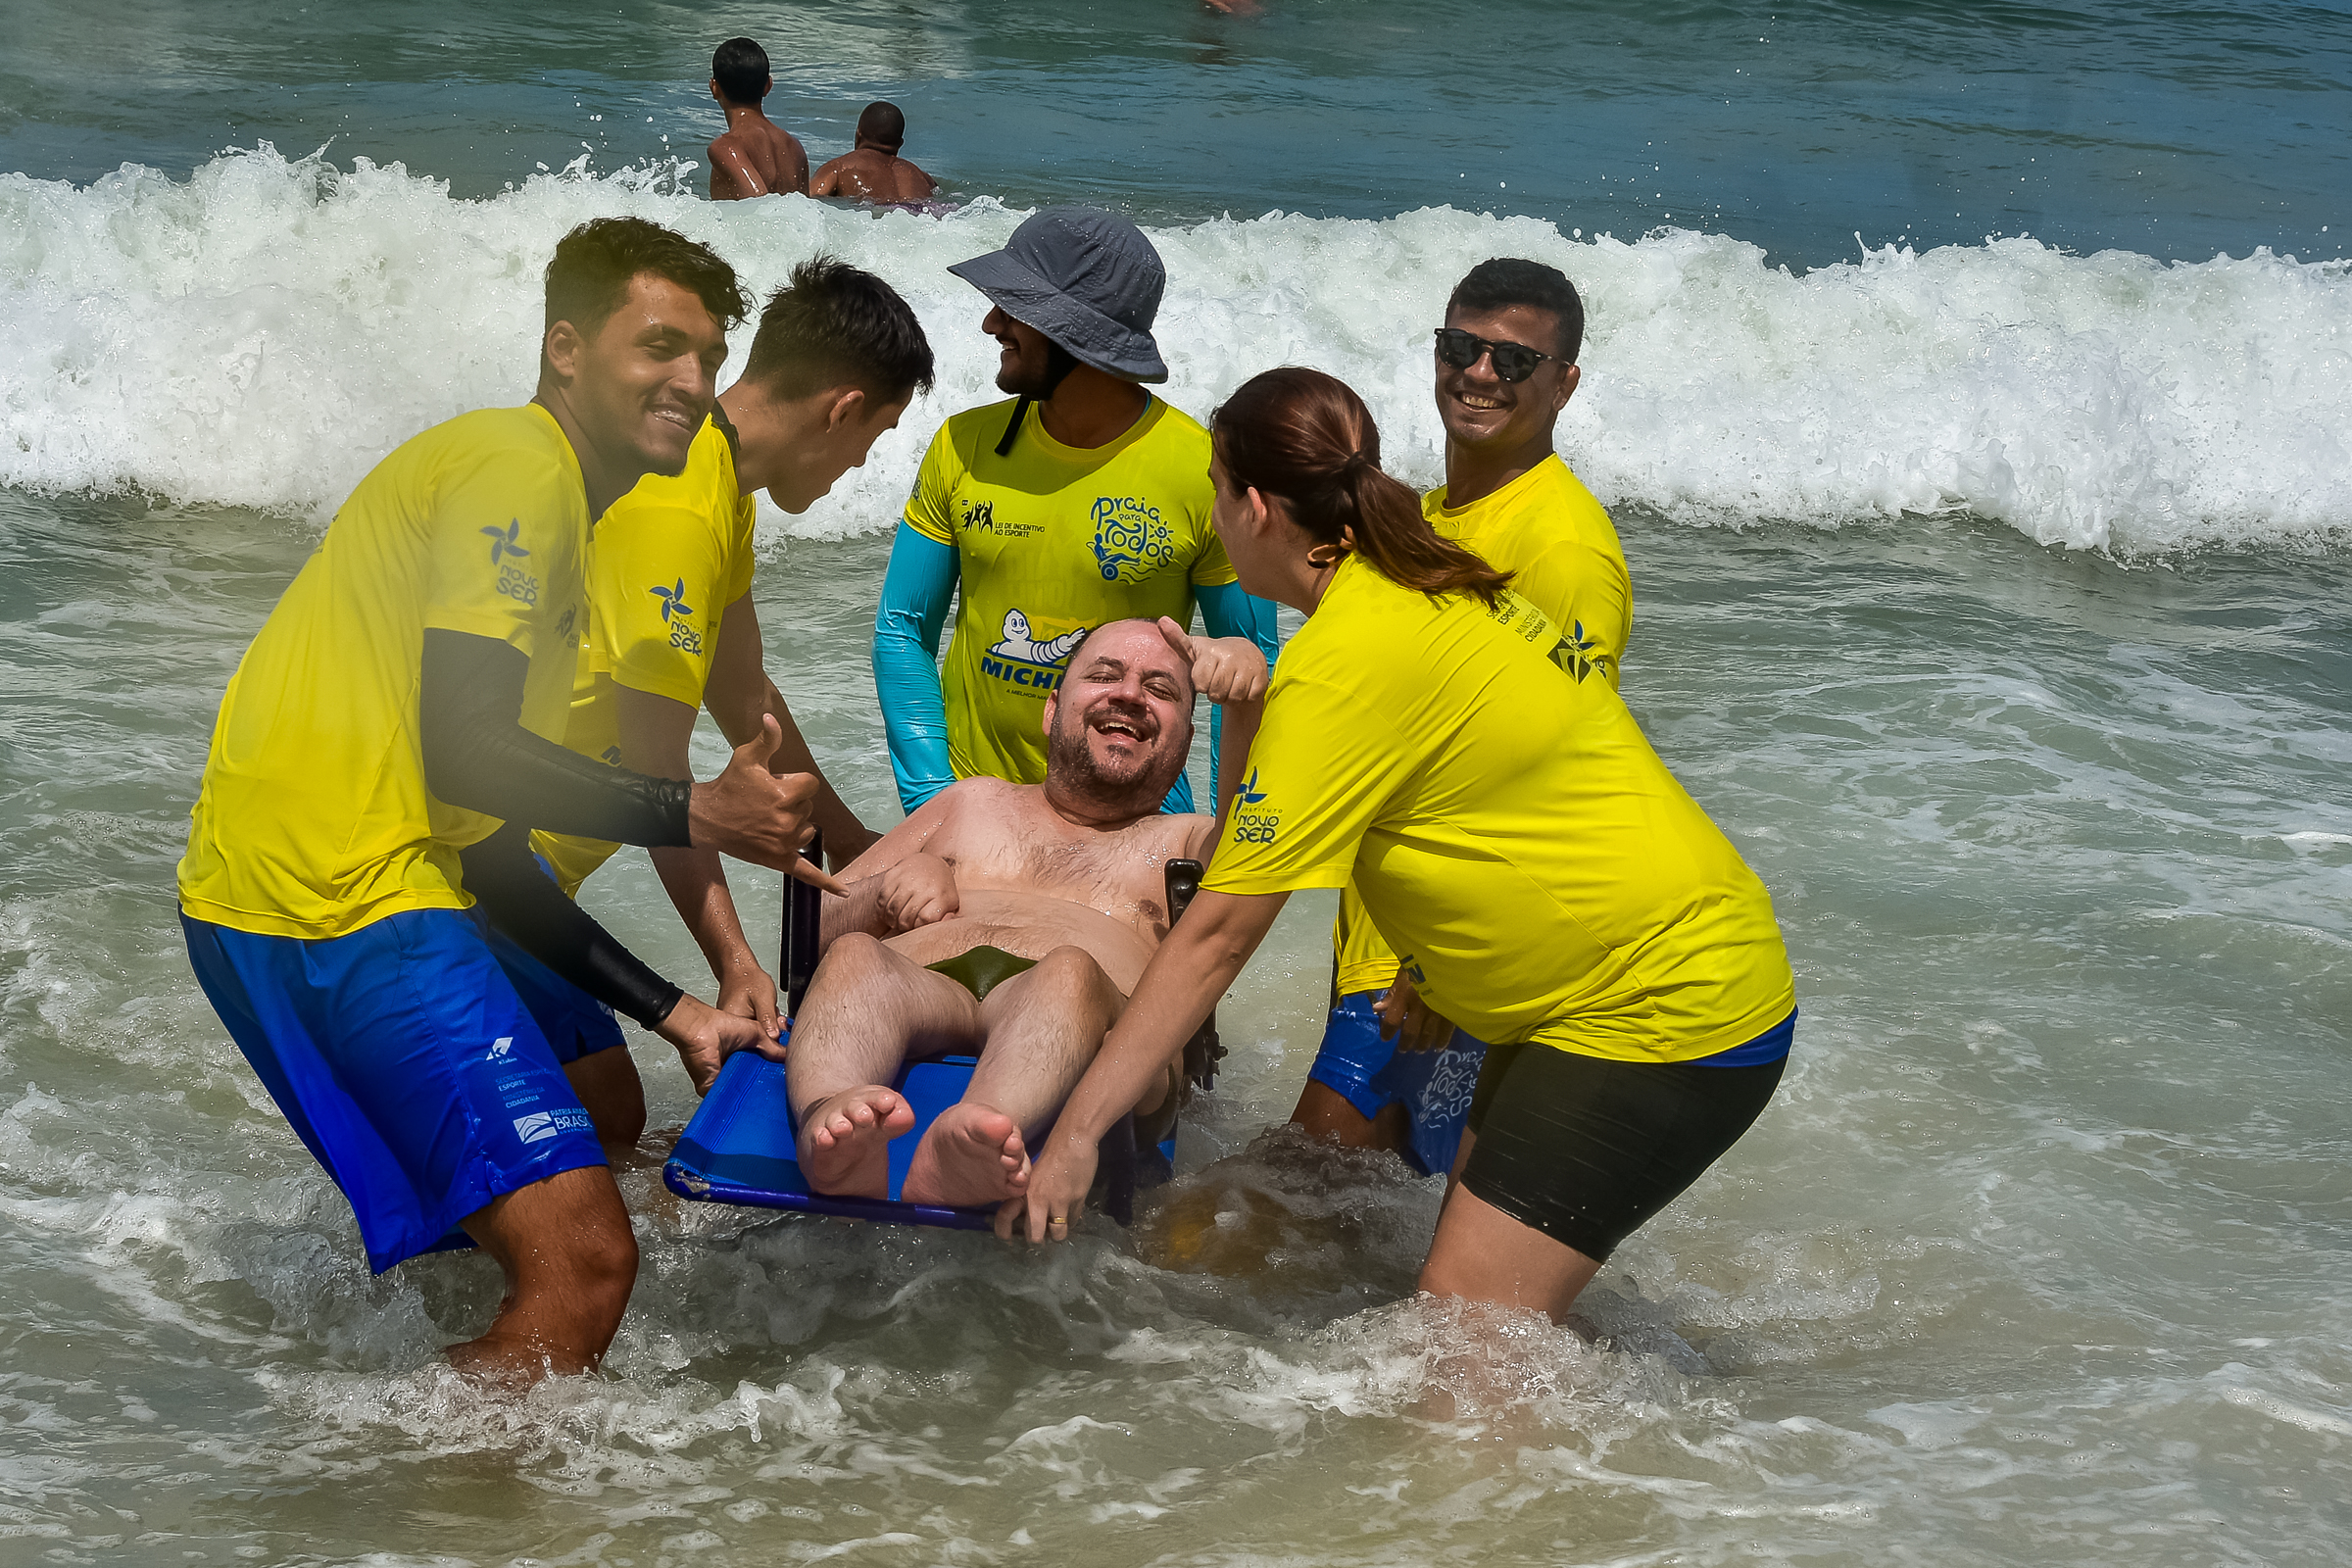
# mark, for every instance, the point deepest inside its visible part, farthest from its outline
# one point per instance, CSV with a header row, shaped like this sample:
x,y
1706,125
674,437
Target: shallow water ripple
x,y
2039,1254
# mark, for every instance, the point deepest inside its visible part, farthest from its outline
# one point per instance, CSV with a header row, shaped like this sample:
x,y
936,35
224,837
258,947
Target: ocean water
x,y
1992,589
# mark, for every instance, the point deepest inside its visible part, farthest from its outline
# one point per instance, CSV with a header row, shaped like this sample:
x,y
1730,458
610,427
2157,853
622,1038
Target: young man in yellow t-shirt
x,y
671,629
1391,1074
399,703
1083,500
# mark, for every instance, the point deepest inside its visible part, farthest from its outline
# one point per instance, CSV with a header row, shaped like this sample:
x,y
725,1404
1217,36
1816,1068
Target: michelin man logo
x,y
1132,540
1022,659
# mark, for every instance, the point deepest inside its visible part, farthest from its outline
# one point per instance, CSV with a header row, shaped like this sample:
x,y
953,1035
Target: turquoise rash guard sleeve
x,y
916,591
1227,612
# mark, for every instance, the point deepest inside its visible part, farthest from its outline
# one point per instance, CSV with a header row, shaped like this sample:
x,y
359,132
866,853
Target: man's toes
x,y
847,1149
971,1156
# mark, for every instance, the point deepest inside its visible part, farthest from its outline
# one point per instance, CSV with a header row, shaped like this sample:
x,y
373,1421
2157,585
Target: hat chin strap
x,y
1060,362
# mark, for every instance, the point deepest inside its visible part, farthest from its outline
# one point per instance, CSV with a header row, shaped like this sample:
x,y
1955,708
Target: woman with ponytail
x,y
1544,881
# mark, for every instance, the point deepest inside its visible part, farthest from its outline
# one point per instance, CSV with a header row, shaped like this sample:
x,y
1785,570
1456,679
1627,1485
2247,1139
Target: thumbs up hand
x,y
756,816
1229,672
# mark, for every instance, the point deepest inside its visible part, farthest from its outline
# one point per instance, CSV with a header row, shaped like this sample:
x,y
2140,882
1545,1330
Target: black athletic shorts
x,y
1584,1150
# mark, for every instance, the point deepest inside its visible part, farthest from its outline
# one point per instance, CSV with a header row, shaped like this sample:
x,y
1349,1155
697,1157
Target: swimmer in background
x,y
873,171
755,156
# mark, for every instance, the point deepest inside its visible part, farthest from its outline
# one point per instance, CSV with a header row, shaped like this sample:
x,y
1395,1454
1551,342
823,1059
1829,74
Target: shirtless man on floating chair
x,y
1010,922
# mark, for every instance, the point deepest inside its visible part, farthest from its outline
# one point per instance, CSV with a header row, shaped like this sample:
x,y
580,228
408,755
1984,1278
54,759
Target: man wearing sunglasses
x,y
1505,362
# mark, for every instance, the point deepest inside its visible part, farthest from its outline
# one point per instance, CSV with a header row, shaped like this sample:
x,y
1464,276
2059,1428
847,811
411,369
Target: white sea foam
x,y
262,333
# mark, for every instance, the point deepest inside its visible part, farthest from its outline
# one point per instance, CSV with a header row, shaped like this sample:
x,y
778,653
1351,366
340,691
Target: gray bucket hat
x,y
1087,281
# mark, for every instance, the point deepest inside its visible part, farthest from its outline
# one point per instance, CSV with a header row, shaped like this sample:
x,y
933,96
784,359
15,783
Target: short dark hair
x,y
593,266
833,324
740,68
883,125
1506,280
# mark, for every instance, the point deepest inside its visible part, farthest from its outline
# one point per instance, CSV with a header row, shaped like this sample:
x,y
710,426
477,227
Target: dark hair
x,y
883,125
1304,436
593,266
740,68
1506,280
833,322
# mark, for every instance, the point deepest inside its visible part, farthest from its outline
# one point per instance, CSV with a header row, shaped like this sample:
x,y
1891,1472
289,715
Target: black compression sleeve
x,y
525,904
478,757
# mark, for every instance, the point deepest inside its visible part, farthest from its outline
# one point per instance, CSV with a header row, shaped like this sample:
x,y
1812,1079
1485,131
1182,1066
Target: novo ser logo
x,y
506,548
675,611
1253,826
502,542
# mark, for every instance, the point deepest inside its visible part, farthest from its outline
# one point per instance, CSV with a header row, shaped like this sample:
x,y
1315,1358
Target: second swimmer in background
x,y
873,171
1505,362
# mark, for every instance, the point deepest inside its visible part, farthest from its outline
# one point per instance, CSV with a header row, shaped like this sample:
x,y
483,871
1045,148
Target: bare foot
x,y
971,1156
845,1142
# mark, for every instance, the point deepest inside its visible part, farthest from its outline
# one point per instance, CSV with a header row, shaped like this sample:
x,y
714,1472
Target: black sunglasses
x,y
1513,362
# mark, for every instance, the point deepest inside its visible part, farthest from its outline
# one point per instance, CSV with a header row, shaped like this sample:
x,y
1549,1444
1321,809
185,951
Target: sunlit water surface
x,y
2040,1253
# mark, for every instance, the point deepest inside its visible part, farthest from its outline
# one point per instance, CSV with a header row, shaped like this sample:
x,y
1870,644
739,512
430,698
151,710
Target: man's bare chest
x,y
1118,874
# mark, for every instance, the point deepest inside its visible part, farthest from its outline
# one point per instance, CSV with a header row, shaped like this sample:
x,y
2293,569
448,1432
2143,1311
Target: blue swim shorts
x,y
574,1023
1434,1086
405,1062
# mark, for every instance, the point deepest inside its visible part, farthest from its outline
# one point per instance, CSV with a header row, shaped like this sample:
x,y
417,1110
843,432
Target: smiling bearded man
x,y
1010,921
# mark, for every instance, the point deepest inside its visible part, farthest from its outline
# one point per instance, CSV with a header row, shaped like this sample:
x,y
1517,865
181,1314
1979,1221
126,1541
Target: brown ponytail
x,y
1304,436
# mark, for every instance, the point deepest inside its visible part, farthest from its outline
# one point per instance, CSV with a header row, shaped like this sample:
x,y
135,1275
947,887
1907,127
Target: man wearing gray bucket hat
x,y
1079,500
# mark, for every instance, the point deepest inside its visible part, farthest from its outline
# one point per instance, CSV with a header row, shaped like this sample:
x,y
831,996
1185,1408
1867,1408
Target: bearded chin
x,y
1070,760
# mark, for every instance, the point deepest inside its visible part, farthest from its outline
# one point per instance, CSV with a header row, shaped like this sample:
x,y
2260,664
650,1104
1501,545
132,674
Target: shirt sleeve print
x,y
930,509
1318,775
500,531
659,587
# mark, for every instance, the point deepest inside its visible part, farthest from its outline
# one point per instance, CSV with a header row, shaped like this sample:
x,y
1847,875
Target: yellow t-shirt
x,y
1540,873
1545,529
314,819
1053,541
667,559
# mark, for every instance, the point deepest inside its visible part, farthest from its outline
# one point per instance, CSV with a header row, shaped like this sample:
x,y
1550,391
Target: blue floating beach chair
x,y
739,1148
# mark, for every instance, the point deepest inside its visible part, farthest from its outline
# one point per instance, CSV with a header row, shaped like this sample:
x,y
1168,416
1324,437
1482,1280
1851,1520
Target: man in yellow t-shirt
x,y
671,627
346,853
1505,367
1082,500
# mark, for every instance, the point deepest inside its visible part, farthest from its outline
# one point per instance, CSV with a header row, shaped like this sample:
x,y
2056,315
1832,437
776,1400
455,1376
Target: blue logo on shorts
x,y
673,600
